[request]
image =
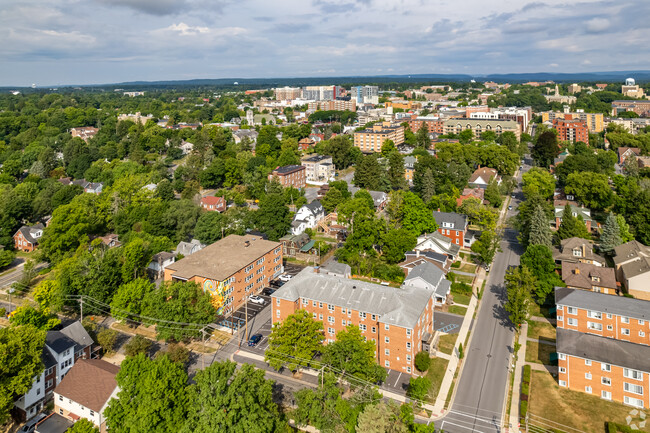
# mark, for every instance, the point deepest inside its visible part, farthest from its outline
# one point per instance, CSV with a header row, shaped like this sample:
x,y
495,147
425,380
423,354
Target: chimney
x,y
417,253
584,250
247,244
576,271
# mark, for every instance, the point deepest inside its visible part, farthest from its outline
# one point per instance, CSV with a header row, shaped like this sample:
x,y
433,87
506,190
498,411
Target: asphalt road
x,y
480,397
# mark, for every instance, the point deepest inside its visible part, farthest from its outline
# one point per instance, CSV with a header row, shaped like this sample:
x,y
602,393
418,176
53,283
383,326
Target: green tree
x,y
493,194
520,282
396,171
428,186
487,246
381,418
273,216
591,189
225,399
422,361
611,234
387,148
332,199
137,345
294,341
489,136
210,227
21,350
352,354
107,338
184,303
418,388
6,258
396,243
407,210
545,149
572,226
422,140
83,426
176,352
28,315
625,234
368,174
466,136
340,147
540,230
153,397
539,260
48,295
538,181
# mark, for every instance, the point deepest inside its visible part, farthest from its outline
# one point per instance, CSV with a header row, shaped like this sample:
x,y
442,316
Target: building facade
x,y
594,121
572,130
318,168
371,140
479,126
398,320
642,108
290,175
231,269
335,105
287,93
434,124
452,225
26,238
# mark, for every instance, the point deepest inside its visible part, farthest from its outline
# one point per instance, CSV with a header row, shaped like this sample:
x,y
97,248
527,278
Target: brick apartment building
x,y
230,269
594,121
398,320
370,140
284,93
603,345
434,124
642,108
290,175
336,105
479,126
572,130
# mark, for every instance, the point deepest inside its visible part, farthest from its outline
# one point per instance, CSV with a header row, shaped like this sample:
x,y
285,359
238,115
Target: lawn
x,y
457,309
460,298
447,342
435,374
464,279
539,353
539,330
468,267
540,311
574,409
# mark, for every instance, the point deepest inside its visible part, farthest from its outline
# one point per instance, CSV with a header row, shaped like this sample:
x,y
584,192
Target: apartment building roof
x,y
585,275
395,306
316,158
619,305
223,258
603,349
630,250
90,383
288,169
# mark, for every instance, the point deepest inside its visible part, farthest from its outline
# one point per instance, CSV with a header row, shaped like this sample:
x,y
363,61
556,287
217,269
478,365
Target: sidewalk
x,y
516,386
447,382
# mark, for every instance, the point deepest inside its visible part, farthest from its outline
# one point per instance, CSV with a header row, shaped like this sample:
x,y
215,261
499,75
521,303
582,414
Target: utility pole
x,y
203,354
81,307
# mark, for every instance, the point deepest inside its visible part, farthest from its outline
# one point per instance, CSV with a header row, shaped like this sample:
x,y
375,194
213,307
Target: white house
x,y
428,276
188,248
438,243
307,217
159,262
86,391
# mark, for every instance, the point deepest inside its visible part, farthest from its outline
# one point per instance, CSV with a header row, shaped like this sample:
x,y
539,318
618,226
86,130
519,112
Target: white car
x,y
284,277
257,300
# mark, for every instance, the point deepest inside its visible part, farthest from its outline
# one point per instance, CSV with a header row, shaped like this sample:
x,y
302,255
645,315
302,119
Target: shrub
x,y
526,376
106,338
525,388
455,265
176,353
3,312
523,409
137,345
460,351
418,388
422,361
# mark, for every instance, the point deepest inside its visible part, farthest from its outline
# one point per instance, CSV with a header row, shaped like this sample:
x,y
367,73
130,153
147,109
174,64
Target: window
x,y
605,367
632,374
386,326
38,391
344,323
562,356
330,330
633,388
594,314
609,315
277,301
373,329
92,413
562,370
387,364
408,358
408,369
641,334
386,340
588,389
572,322
320,305
313,303
48,384
330,319
606,381
588,376
320,317
330,307
633,401
559,318
314,315
408,332
606,395
60,411
625,331
595,326
610,327
572,310
386,352
562,382
277,313
625,320
305,302
374,317
408,345
587,361
641,322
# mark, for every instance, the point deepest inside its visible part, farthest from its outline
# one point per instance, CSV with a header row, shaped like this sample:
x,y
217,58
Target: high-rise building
x,y
572,130
371,140
287,93
366,94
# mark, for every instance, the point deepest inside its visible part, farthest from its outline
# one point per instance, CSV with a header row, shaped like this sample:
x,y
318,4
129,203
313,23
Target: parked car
x,y
257,299
285,277
254,339
31,424
268,291
509,207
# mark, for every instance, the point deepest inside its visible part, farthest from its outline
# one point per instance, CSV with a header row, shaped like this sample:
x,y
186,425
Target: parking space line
x,y
400,375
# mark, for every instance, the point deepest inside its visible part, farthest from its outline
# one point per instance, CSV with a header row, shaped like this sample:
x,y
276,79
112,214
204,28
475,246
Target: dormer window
x,y
575,214
577,253
447,224
595,278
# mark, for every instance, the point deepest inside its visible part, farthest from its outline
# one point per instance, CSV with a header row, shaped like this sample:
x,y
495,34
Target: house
x,y
242,134
290,175
291,244
60,352
334,268
577,250
186,147
438,243
319,168
453,226
589,277
482,177
561,157
89,187
626,152
409,168
230,269
398,320
417,257
26,238
84,132
86,390
379,198
306,143
576,212
188,248
632,264
430,277
159,263
111,240
211,203
477,193
307,217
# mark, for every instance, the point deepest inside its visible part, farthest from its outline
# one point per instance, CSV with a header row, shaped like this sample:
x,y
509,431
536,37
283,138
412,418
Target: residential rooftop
x,y
90,382
619,305
288,169
223,258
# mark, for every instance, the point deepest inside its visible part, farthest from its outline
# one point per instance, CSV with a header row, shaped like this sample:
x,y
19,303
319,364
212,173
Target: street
x,y
480,397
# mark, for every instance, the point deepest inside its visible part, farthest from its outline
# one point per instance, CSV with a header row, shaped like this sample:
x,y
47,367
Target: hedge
x,y
612,427
526,376
525,388
523,409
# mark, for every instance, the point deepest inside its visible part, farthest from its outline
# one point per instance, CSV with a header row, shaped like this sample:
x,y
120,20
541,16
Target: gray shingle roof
x,y
30,231
395,306
443,288
620,305
637,267
76,332
580,211
603,349
58,342
629,251
459,221
428,272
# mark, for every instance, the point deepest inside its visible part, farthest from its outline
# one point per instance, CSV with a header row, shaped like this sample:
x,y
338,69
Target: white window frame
x,y
607,381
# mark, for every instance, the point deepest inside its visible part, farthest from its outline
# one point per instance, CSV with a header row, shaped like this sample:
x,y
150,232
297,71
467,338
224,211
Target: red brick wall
x,y
25,246
457,236
638,332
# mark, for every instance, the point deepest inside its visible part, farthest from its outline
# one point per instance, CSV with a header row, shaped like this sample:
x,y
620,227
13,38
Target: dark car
x,y
268,291
254,339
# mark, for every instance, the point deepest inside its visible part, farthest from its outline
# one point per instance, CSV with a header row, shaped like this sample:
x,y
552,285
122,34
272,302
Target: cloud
x,y
553,65
184,30
152,7
597,25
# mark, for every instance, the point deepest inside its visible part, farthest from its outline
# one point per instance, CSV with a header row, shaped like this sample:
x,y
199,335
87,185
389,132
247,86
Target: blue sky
x,y
54,42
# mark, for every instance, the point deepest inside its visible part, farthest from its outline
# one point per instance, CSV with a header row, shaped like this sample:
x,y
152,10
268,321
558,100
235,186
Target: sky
x,y
63,42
